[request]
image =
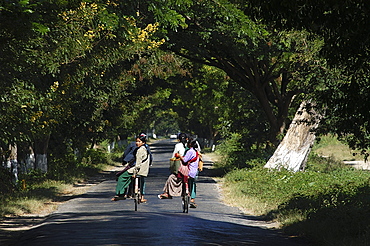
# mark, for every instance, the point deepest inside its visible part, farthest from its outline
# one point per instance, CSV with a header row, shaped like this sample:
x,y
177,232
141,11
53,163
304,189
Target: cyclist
x,y
188,174
181,146
173,185
191,159
142,161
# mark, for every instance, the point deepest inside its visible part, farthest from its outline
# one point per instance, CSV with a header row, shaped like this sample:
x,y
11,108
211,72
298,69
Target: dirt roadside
x,y
12,226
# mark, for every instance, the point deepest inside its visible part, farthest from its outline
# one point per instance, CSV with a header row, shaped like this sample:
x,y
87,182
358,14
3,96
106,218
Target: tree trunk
x,y
12,162
30,160
122,140
41,147
111,145
293,151
260,79
26,159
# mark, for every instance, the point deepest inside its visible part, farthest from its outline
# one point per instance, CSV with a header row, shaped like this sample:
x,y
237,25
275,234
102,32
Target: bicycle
x,y
137,191
185,197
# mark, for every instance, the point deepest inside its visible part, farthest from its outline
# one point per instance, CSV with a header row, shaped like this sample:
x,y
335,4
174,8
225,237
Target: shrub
x,y
6,184
323,164
235,155
324,203
96,156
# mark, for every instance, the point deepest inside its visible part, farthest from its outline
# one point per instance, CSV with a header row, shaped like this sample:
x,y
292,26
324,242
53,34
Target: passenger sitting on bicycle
x,y
190,160
173,186
141,167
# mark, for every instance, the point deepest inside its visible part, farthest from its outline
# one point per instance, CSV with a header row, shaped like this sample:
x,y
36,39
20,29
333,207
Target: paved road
x,y
92,219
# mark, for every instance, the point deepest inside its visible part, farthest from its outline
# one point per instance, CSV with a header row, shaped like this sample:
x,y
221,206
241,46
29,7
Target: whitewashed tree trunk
x,y
27,160
292,152
41,160
111,146
12,162
30,161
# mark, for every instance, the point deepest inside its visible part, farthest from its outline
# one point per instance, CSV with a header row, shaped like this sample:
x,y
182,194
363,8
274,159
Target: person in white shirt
x,y
181,145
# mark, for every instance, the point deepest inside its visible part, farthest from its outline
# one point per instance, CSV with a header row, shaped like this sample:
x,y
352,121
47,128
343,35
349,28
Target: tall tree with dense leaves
x,y
212,106
343,26
274,65
76,62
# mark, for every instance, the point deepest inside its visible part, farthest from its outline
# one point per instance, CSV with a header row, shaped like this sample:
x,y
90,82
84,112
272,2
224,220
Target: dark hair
x,y
183,138
142,137
193,143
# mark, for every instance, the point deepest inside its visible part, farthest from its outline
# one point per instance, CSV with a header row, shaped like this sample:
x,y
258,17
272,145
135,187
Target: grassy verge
x,y
40,194
328,203
324,207
329,146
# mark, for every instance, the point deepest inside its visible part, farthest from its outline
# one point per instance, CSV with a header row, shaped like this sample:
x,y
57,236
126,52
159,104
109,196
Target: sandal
x,y
164,196
116,198
143,200
193,205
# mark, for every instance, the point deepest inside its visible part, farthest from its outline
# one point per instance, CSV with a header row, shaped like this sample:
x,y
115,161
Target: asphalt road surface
x,y
93,219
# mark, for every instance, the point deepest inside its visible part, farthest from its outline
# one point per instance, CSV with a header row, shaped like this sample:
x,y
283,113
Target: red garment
x,y
184,178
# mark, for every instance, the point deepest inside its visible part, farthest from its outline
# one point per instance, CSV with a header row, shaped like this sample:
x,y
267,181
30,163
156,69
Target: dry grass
x,y
47,197
41,206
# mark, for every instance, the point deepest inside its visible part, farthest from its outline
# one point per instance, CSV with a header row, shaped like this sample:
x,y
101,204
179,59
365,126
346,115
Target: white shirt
x,y
179,148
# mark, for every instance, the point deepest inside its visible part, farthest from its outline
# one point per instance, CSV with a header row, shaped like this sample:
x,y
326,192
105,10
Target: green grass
x,y
328,204
329,146
43,192
321,206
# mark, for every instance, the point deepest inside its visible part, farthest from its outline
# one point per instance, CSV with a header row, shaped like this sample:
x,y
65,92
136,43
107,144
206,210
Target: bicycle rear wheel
x,y
136,200
137,193
185,203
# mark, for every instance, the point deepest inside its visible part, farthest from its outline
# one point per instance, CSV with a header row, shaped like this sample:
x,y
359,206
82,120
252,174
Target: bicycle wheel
x,y
137,193
185,204
136,200
185,198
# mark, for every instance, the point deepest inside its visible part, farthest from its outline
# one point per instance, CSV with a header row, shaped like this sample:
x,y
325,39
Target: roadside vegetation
x,y
40,193
77,73
325,204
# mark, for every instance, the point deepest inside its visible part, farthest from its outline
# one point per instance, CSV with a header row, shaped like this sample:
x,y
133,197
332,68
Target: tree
x,y
69,71
343,27
293,151
212,106
275,66
196,99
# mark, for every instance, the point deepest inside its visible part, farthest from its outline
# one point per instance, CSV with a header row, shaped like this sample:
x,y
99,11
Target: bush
x,y
6,184
96,156
68,168
235,155
326,202
323,164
